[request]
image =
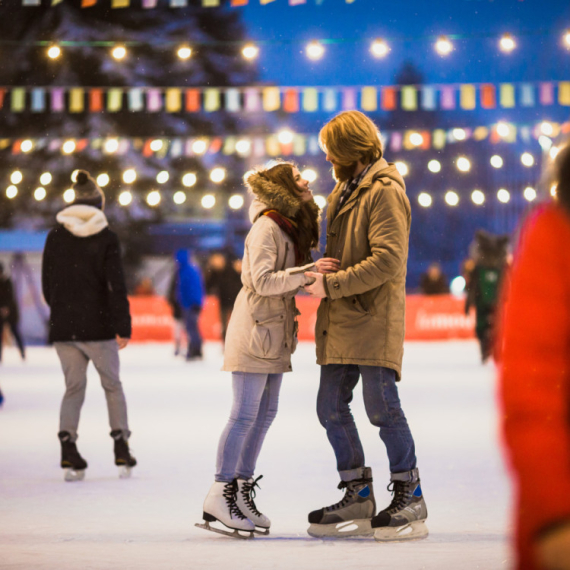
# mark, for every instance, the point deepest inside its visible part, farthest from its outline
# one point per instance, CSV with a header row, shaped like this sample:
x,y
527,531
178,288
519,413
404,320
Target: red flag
x,y
388,99
147,151
88,3
488,96
216,146
291,101
16,146
239,2
192,100
2,93
95,100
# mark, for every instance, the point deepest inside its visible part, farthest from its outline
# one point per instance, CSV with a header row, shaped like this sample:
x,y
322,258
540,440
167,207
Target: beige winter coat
x,y
261,334
362,319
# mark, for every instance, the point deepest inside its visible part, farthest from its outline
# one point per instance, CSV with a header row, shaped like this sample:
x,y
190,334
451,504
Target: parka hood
x,y
182,258
270,195
82,220
384,169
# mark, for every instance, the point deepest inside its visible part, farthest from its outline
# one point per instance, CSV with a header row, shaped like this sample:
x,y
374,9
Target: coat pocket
x,y
267,338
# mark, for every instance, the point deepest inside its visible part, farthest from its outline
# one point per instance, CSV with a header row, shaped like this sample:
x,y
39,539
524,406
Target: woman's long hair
x,y
307,217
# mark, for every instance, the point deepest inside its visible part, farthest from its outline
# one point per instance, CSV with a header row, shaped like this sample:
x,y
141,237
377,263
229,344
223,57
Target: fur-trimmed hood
x,y
82,220
270,195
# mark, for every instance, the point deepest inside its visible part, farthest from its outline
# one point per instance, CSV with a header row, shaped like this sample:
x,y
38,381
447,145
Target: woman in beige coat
x,y
262,335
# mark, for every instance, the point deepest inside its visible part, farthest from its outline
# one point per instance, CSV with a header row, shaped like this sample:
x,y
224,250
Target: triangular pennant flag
x,y
192,100
429,98
527,95
310,100
507,95
388,99
291,101
233,100
330,100
564,93
447,98
76,100
173,100
136,100
38,100
488,96
18,100
211,99
153,100
369,99
409,97
348,99
546,93
467,97
271,99
114,100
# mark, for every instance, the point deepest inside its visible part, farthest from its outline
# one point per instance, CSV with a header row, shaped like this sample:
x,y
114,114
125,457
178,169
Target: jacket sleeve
x,y
118,302
535,375
388,231
47,268
262,250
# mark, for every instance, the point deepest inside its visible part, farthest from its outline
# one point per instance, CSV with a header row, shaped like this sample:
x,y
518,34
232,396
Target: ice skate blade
x,y
125,472
412,531
74,474
345,529
233,534
261,531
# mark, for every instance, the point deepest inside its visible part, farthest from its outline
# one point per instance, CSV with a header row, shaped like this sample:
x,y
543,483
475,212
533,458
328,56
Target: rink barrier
x,y
436,317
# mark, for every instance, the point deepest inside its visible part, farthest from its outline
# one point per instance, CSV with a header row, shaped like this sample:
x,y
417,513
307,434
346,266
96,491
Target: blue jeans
x,y
256,397
191,316
382,407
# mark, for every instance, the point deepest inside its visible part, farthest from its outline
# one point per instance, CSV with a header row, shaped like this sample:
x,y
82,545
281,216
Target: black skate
x,y
123,458
404,518
71,461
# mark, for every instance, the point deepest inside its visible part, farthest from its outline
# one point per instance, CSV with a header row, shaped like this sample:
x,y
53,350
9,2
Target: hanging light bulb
x,y
11,192
189,179
530,194
315,50
309,175
103,180
527,159
111,145
69,195
153,198
463,164
503,129
208,201
129,176
54,52
217,175
478,197
26,145
503,195
184,52
285,137
125,198
402,168
199,147
162,177
40,193
320,201
459,134
379,48
236,202
68,147
156,145
250,51
451,198
496,161
507,43
416,139
45,178
425,200
16,177
119,52
243,146
546,128
443,46
179,197
434,166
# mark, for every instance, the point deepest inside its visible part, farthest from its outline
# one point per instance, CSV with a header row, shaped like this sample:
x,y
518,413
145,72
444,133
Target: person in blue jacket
x,y
190,295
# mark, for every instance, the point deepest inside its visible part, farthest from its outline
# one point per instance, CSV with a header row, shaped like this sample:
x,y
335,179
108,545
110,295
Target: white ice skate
x,y
220,506
244,500
71,474
125,471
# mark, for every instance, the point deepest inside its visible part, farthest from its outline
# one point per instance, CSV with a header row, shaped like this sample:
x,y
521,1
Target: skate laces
x,y
230,495
248,493
402,494
350,487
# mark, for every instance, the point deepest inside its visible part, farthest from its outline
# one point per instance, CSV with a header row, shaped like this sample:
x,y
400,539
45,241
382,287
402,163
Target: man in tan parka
x,y
360,332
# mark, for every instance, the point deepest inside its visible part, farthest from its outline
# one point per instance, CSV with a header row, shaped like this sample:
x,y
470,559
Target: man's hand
x,y
327,265
122,342
553,551
317,288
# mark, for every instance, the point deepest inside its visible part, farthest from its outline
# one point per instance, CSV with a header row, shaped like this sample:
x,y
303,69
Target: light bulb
x,y
503,195
16,177
111,145
217,175
379,48
402,168
69,195
199,147
320,201
208,201
507,43
496,161
416,139
285,137
40,193
162,177
309,175
527,159
54,52
434,166
45,178
443,46
189,179
125,198
529,193
184,52
179,197
11,192
103,180
250,51
463,164
451,198
236,202
26,145
68,147
315,50
425,200
119,52
156,145
129,176
153,198
478,197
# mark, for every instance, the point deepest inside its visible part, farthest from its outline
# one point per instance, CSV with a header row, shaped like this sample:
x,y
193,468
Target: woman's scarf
x,y
290,228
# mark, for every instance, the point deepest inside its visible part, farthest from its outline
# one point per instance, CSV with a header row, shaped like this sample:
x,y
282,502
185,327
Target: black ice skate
x,y
71,461
405,518
123,458
350,516
244,500
220,506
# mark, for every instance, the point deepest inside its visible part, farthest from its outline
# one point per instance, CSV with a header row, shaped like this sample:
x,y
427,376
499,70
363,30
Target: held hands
x,y
316,288
122,342
553,550
327,265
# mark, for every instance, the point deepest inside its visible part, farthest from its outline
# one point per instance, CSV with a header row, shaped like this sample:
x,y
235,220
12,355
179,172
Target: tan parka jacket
x,y
262,333
362,319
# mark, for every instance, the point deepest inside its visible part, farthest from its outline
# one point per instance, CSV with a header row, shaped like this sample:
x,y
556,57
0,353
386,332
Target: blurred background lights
x,y
250,51
129,176
26,145
503,195
434,166
320,201
566,38
111,145
553,190
527,159
507,43
162,177
16,177
243,146
315,50
529,193
379,48
463,164
503,129
285,137
309,174
40,193
54,52
11,192
443,46
459,134
125,198
189,179
236,202
184,52
208,201
478,197
153,198
103,179
156,145
424,200
119,52
451,198
416,139
179,197
496,161
457,285
69,195
217,175
402,168
546,128
68,147
45,178
544,142
199,147
73,176
554,152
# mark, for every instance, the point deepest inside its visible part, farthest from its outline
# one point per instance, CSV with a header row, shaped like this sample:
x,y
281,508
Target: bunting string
x,y
147,4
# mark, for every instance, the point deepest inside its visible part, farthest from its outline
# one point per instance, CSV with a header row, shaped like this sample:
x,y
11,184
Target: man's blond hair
x,y
349,137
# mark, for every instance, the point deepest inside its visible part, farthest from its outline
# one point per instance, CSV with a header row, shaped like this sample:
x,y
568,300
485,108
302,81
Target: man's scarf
x,y
290,228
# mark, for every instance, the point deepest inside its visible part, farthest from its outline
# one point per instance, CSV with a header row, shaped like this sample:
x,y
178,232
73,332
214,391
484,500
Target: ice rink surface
x,y
177,411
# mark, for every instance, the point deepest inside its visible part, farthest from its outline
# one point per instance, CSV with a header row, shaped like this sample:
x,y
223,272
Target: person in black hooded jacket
x,y
84,286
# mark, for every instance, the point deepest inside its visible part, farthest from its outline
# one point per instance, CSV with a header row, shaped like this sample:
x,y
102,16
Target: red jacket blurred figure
x,y
535,382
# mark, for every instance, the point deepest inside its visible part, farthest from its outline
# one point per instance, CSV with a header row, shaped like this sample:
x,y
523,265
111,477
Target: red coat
x,y
535,377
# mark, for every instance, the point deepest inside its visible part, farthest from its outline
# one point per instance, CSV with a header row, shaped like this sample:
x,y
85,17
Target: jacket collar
x,y
82,220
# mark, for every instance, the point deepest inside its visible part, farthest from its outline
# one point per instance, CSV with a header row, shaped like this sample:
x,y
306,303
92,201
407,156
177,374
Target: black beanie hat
x,y
87,191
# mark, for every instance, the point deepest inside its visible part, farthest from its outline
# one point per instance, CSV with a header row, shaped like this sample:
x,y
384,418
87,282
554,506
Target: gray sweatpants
x,y
75,357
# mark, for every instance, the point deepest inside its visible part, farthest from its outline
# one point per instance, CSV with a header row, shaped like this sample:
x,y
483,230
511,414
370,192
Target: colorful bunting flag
x,y
120,3
310,100
349,99
299,145
396,142
173,102
18,100
178,3
330,100
262,2
438,139
272,146
488,97
84,3
2,95
192,100
114,100
153,100
136,99
297,2
252,100
527,95
467,97
271,99
149,3
388,99
291,101
31,2
429,98
76,100
232,100
239,2
448,98
507,95
564,93
210,3
57,100
546,93
409,97
211,99
95,100
369,99
38,100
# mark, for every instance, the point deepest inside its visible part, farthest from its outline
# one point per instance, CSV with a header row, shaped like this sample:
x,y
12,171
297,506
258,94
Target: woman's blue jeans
x,y
256,397
382,407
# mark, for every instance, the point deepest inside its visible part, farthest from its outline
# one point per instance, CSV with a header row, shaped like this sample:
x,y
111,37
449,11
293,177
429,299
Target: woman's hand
x,y
327,265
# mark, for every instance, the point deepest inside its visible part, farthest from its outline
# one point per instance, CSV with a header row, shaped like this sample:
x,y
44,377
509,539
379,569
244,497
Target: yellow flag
x,y
564,93
409,98
271,99
467,97
438,139
310,100
369,99
76,100
507,95
173,100
272,146
211,99
120,3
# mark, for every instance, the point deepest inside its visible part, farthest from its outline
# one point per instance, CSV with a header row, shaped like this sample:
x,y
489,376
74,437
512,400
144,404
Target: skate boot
x,y
221,506
71,461
123,458
244,500
405,518
350,516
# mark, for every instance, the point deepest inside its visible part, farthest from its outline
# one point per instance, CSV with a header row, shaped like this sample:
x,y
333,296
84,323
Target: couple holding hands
x,y
359,333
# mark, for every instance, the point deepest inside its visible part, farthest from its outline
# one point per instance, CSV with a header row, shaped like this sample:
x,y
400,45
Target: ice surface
x,y
177,411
